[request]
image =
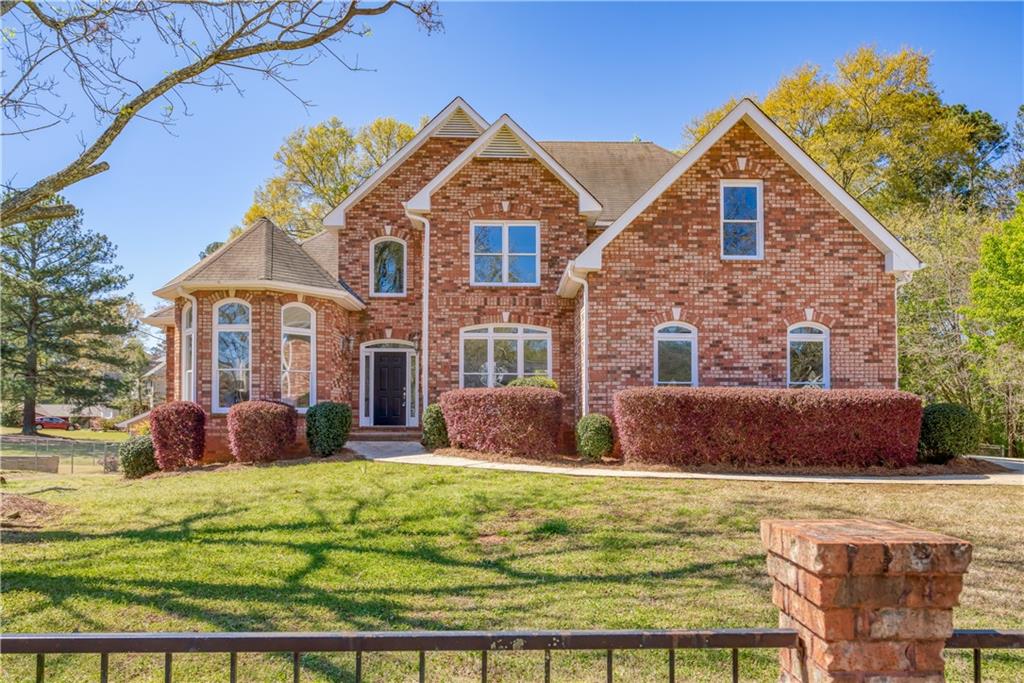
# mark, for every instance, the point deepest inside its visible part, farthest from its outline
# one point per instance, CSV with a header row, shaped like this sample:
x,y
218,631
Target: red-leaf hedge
x,y
801,427
261,431
512,420
178,429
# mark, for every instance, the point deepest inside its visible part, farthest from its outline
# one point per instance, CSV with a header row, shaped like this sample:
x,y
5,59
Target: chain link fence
x,y
65,456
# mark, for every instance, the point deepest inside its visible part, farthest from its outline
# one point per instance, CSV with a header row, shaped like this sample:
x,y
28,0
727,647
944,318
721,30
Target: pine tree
x,y
63,314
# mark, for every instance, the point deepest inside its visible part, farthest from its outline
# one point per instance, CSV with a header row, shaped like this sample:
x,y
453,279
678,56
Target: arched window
x,y
188,353
387,267
298,356
807,356
232,351
494,355
675,355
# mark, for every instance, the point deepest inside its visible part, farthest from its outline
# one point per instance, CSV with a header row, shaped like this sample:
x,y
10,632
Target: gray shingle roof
x,y
323,247
616,173
262,252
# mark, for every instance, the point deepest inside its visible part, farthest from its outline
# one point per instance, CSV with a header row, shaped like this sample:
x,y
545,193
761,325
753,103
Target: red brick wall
x,y
333,367
669,256
476,193
382,209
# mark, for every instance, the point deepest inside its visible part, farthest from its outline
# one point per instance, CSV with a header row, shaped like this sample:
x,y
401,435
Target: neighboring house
x,y
153,384
476,254
68,411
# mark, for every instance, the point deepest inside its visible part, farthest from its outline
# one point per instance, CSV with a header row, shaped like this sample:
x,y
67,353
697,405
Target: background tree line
x,y
947,181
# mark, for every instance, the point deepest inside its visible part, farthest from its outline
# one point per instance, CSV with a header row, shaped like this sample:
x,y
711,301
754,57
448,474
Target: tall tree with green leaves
x,y
64,318
318,167
996,320
879,126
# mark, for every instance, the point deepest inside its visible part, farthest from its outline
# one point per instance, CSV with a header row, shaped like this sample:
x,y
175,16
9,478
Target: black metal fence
x,y
363,644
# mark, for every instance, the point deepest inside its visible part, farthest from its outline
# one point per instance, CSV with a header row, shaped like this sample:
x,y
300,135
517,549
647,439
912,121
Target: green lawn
x,y
78,434
384,546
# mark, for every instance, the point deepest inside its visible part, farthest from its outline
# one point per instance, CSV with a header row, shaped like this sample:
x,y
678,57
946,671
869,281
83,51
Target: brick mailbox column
x,y
872,600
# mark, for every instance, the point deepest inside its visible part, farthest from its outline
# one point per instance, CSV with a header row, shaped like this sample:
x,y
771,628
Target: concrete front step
x,y
384,434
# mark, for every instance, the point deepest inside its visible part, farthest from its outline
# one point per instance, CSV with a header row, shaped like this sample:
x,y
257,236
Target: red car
x,y
54,423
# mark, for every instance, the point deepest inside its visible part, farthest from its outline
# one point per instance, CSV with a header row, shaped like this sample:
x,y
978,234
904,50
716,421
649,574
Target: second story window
x,y
504,254
742,210
387,267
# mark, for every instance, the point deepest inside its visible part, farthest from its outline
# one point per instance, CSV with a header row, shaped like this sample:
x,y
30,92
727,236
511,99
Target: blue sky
x,y
563,71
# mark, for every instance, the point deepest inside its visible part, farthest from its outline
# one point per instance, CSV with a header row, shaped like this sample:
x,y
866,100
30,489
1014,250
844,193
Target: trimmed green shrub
x,y
948,430
137,458
435,430
327,427
594,436
539,381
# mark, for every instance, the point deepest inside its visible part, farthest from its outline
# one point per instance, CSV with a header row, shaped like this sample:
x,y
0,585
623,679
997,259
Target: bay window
x,y
232,338
298,356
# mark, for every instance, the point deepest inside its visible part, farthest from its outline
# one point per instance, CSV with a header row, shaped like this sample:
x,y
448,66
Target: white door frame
x,y
367,351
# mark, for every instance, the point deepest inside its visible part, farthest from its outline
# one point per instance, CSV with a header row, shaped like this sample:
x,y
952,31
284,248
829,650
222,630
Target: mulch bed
x,y
955,466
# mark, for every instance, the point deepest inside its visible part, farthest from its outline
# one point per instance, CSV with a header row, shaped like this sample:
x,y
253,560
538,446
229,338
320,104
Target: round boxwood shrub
x,y
435,430
178,429
137,457
540,381
594,437
948,430
327,427
261,431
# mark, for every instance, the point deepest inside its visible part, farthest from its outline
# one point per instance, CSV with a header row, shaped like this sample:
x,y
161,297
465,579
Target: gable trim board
x,y
898,259
457,119
495,142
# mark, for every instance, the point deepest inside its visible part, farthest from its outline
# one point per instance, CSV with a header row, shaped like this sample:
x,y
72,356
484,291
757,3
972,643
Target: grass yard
x,y
370,546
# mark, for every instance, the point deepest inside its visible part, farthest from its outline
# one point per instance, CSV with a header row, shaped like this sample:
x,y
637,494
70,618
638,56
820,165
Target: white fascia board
x,y
342,297
588,204
158,321
336,218
897,257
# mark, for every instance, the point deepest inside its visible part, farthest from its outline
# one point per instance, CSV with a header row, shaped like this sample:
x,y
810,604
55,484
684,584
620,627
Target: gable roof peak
x,y
457,119
511,137
898,258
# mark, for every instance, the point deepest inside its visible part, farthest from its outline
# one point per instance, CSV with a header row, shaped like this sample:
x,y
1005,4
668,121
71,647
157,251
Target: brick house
x,y
476,254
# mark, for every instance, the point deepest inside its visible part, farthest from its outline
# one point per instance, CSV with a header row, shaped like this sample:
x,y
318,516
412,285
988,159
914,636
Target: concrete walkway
x,y
412,453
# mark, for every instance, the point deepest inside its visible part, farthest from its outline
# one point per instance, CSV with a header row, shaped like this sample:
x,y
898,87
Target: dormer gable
x,y
457,120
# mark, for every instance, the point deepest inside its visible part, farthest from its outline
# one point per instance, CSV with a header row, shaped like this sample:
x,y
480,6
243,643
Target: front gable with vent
x,y
505,139
457,120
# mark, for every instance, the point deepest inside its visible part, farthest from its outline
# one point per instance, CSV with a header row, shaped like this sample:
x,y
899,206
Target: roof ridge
x,y
335,279
268,265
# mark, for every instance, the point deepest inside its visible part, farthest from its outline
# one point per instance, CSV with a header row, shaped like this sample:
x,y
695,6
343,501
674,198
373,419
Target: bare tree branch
x,y
97,41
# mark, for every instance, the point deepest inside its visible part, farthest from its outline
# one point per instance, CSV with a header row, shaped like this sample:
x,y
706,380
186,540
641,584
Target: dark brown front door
x,y
389,388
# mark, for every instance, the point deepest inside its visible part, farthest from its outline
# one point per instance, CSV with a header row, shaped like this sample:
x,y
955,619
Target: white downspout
x,y
584,337
425,323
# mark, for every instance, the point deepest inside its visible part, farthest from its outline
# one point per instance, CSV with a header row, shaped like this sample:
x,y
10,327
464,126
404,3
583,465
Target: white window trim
x,y
300,331
217,329
366,352
491,336
826,356
504,225
691,337
760,219
405,268
188,332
